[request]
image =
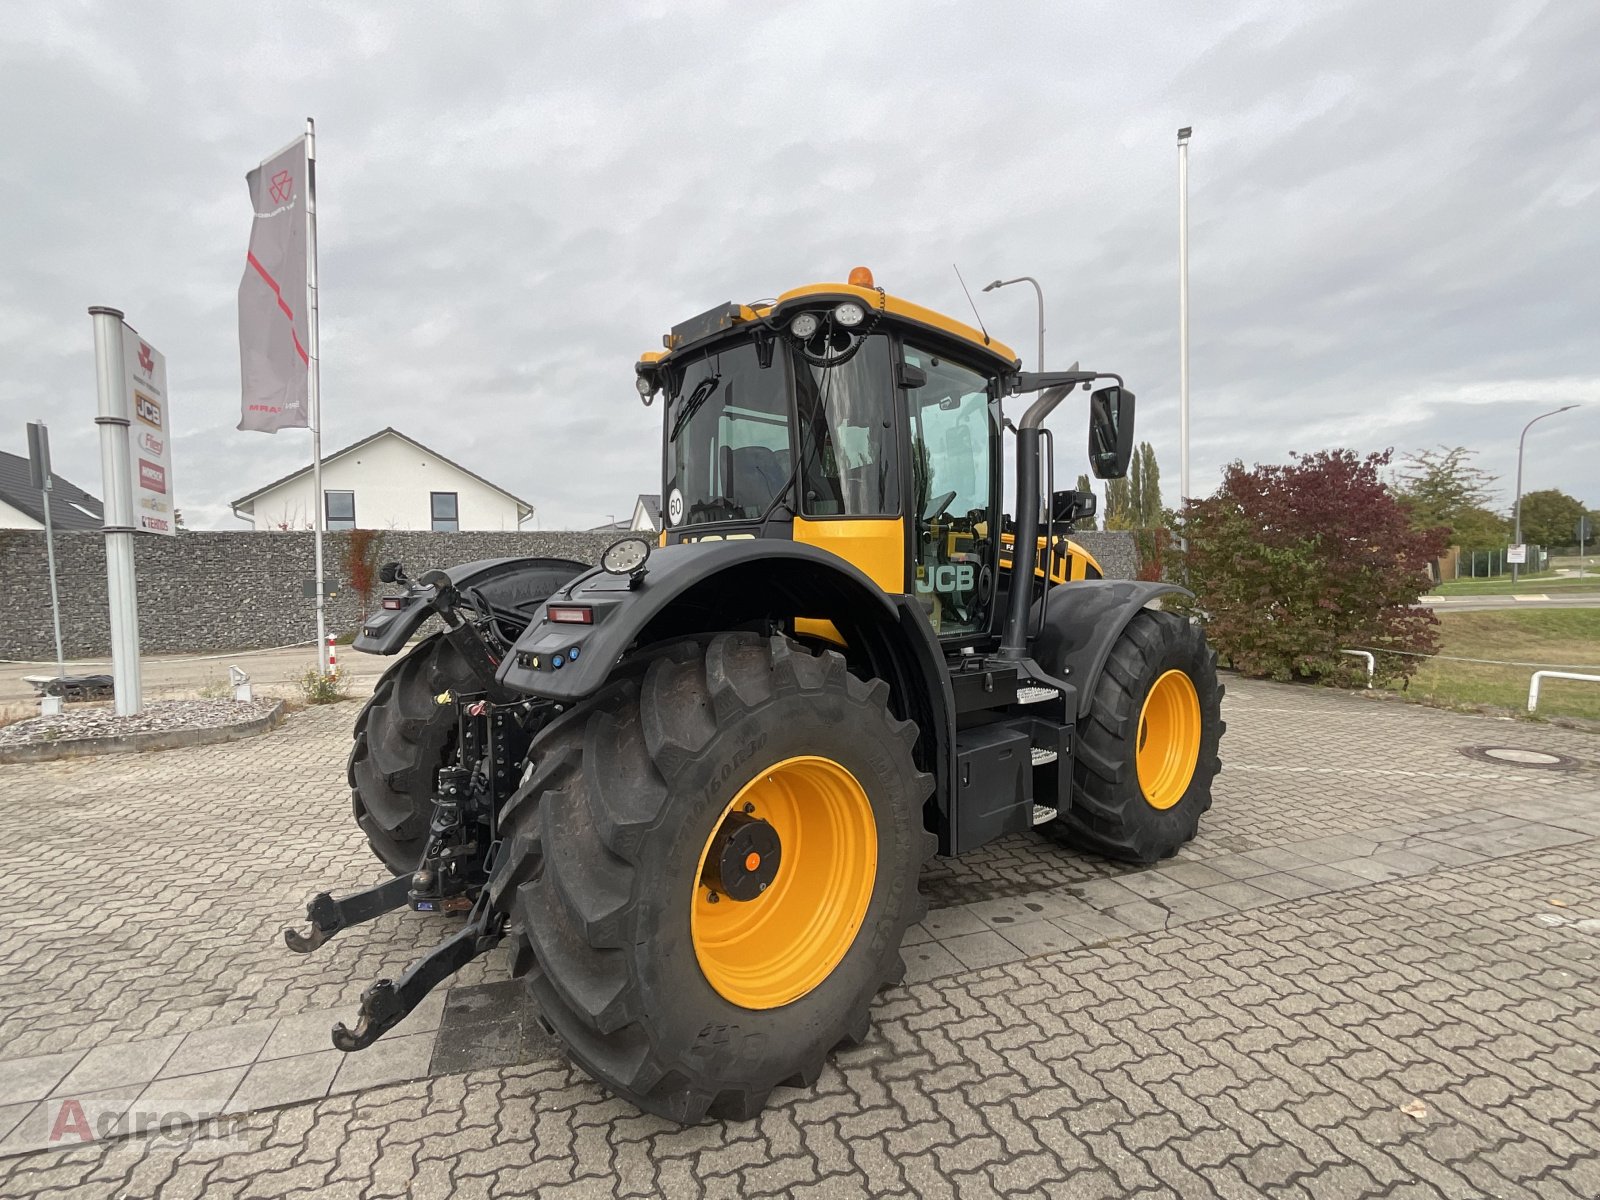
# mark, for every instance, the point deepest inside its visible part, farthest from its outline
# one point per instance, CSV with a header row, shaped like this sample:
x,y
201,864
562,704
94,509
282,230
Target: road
x,y
273,672
1375,972
1524,600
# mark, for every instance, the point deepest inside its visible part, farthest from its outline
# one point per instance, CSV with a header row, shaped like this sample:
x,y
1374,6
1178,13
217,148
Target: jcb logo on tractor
x,y
950,577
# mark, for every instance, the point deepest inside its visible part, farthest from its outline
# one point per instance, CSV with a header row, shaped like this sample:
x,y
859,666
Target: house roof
x,y
652,507
370,438
17,490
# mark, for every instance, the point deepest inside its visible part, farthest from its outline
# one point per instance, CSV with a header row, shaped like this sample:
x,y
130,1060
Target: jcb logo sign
x,y
951,577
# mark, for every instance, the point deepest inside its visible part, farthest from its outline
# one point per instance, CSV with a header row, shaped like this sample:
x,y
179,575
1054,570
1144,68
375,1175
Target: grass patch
x,y
1555,636
1552,584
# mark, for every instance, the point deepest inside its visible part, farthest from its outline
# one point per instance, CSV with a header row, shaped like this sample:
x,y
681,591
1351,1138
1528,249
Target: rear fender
x,y
1082,623
514,583
707,587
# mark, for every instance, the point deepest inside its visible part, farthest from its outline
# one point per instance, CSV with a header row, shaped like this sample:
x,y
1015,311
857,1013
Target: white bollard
x,y
241,684
333,656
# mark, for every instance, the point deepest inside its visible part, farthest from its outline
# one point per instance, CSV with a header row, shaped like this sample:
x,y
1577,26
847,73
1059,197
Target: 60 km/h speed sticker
x,y
675,507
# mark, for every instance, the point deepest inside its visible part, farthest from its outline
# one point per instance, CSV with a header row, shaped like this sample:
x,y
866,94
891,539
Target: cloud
x,y
1393,209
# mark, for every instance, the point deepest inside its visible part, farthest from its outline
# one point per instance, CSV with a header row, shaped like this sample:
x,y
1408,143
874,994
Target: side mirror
x,y
912,376
1110,431
1068,508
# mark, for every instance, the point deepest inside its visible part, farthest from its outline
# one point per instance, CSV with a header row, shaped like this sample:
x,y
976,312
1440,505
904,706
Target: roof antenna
x,y
963,284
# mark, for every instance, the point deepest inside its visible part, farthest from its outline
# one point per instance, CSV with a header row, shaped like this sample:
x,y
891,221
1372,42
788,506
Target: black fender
x,y
1082,622
512,583
707,587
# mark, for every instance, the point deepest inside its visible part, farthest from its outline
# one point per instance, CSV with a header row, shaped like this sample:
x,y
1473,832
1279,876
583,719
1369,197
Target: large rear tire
x,y
402,737
661,983
1147,755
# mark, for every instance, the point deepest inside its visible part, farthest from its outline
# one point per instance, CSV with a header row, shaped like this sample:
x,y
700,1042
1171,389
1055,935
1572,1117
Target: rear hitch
x,y
328,916
386,1002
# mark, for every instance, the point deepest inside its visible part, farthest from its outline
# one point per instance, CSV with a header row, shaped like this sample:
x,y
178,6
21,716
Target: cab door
x,y
952,496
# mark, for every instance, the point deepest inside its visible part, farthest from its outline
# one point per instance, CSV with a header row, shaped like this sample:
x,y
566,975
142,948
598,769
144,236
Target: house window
x,y
340,509
444,512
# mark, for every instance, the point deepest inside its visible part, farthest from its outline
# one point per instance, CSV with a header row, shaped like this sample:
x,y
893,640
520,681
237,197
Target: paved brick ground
x,y
1367,923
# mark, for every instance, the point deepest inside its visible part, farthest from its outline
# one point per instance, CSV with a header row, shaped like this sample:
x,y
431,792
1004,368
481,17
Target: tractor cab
x,y
846,418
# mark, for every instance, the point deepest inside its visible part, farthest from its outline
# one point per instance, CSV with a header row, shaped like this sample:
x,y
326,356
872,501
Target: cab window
x,y
847,434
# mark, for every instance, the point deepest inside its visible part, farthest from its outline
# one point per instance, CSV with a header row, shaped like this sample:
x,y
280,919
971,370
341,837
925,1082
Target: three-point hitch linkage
x,y
493,733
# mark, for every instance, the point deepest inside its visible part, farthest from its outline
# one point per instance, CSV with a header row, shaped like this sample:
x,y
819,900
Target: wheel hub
x,y
744,857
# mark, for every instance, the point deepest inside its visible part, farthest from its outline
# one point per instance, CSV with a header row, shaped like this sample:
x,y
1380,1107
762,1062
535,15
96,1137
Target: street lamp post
x,y
1516,538
1183,314
1000,283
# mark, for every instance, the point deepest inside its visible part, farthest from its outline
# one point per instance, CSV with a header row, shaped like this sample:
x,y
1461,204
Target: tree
x,y
1083,485
1291,564
1550,517
1442,488
1134,502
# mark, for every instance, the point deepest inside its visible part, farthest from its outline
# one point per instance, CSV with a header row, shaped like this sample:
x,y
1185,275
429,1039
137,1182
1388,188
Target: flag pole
x,y
314,387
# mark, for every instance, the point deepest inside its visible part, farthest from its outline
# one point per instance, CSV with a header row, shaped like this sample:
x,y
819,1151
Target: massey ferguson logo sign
x,y
147,358
282,187
152,477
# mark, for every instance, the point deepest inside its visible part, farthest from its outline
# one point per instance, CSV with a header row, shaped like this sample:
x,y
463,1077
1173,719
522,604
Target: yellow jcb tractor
x,y
695,784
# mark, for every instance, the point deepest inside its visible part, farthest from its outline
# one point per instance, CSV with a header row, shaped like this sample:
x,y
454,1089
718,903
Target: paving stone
x,y
1009,911
1142,915
191,1097
69,1120
952,922
36,1077
388,1060
1042,937
304,1033
1288,886
916,935
216,1048
118,1064
1237,866
928,961
1151,885
1188,907
1096,928
1331,877
1193,874
986,949
280,1081
1280,858
1104,894
1240,894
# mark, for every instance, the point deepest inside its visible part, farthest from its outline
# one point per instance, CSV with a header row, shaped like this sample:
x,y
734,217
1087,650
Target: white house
x,y
646,516
386,481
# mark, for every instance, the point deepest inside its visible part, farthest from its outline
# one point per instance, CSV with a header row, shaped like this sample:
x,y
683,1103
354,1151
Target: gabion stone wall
x,y
244,590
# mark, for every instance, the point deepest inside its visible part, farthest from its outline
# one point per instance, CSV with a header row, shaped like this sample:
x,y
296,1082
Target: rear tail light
x,y
570,614
393,603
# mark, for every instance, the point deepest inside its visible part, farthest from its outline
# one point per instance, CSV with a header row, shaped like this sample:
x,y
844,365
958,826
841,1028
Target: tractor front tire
x,y
710,866
1147,755
402,737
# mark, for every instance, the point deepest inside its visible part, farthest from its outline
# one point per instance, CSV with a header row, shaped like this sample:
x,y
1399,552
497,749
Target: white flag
x,y
273,331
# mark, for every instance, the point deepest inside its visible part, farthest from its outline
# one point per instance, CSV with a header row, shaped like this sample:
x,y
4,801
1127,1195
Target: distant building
x,y
385,481
22,508
646,517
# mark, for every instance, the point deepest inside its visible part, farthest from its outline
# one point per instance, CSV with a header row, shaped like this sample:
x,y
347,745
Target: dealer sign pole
x,y
112,385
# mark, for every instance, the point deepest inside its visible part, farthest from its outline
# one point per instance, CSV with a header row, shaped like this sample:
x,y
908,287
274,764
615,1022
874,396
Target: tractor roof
x,y
903,312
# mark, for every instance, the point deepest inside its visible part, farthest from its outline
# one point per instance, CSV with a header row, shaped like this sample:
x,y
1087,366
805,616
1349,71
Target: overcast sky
x,y
1395,214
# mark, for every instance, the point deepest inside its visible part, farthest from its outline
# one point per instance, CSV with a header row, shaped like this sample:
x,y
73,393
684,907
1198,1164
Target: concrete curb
x,y
157,739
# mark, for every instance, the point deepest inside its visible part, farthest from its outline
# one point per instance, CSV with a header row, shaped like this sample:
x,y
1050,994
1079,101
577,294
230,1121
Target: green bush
x,y
1291,564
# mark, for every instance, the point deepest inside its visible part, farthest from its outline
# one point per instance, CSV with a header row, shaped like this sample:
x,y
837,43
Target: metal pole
x,y
50,559
1516,537
117,480
315,385
1039,292
1183,312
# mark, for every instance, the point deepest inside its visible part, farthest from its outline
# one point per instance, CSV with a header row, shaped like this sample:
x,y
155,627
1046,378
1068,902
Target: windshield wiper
x,y
691,404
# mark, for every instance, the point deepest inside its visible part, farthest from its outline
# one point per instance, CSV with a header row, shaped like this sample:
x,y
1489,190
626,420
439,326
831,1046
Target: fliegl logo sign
x,y
151,444
947,578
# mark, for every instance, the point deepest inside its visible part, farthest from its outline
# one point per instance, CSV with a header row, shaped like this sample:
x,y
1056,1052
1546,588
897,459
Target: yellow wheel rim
x,y
771,950
1169,739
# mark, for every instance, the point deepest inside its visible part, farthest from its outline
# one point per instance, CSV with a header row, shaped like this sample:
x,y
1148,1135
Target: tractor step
x,y
1041,756
1043,813
1036,695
